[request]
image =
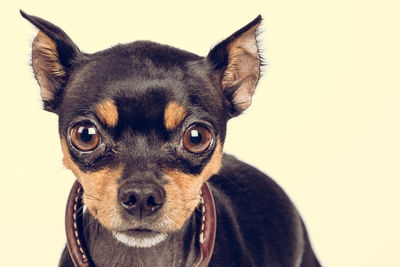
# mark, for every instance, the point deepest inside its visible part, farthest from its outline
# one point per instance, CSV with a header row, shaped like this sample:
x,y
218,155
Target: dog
x,y
142,127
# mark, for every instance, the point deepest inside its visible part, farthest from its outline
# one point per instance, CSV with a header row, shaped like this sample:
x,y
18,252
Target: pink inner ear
x,y
243,67
46,65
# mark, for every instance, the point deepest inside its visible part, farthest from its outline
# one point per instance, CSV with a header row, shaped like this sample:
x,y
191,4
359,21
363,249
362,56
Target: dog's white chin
x,y
139,242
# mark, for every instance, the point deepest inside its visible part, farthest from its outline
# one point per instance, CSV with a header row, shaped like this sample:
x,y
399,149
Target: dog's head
x,y
142,125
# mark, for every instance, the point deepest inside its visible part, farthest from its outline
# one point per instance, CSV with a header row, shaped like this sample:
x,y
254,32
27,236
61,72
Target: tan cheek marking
x,y
183,190
174,114
100,190
45,63
107,112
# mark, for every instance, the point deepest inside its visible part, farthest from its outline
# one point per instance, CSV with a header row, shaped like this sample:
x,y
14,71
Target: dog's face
x,y
142,125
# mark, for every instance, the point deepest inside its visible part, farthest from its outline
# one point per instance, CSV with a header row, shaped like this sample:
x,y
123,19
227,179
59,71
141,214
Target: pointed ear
x,y
237,62
53,57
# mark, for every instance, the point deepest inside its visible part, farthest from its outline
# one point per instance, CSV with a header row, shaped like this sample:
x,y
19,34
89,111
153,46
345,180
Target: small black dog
x,y
142,127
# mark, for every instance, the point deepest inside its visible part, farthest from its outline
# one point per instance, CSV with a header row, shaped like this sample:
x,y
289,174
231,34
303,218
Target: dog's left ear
x,y
237,62
53,57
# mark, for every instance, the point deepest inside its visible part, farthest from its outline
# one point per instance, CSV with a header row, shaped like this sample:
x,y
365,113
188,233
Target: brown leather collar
x,y
78,251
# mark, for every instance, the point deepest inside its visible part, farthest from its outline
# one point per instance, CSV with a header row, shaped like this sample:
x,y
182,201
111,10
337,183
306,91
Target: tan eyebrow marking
x,y
174,114
107,112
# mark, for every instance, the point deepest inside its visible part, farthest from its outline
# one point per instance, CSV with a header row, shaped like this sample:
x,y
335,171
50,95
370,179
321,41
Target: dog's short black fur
x,y
142,127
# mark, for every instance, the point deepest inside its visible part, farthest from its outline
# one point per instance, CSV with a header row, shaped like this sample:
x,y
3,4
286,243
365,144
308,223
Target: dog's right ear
x,y
53,57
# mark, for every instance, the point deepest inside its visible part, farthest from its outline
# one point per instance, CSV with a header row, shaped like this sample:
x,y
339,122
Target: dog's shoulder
x,y
255,217
240,180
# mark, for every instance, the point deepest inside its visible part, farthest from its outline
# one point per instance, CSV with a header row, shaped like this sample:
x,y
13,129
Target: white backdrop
x,y
324,121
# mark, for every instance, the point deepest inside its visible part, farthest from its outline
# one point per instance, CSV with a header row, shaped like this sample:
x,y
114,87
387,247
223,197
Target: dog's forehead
x,y
143,59
139,64
139,81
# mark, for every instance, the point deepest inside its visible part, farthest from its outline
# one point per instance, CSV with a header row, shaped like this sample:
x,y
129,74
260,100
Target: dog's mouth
x,y
139,237
139,232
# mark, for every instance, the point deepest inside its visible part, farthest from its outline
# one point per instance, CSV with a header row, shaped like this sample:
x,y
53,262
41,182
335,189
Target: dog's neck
x,y
178,249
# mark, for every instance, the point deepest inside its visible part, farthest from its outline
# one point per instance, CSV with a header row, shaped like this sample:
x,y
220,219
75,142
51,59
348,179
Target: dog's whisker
x,y
79,213
92,197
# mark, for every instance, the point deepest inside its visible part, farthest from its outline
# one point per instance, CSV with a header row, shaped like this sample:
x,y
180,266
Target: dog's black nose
x,y
141,199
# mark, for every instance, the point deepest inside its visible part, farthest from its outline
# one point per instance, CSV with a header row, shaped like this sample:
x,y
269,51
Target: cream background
x,y
324,121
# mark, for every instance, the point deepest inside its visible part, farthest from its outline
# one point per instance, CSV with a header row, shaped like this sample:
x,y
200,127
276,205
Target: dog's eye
x,y
85,137
197,139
